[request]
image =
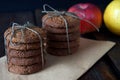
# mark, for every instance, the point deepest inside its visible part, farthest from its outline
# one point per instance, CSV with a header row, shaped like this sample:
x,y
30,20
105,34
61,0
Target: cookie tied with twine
x,y
59,19
26,33
63,21
23,39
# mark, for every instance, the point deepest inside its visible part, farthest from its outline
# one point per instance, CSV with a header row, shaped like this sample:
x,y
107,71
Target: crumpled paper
x,y
64,68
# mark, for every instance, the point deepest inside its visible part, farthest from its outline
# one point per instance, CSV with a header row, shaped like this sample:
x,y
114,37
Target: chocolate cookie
x,y
24,53
23,46
29,36
61,52
54,21
60,44
61,30
62,37
25,61
24,69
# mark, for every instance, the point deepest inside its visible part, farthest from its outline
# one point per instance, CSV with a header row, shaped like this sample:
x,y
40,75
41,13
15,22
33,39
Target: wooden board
x,y
114,54
100,71
64,68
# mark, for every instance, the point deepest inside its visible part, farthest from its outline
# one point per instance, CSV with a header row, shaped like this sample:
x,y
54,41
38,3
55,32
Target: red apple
x,y
90,15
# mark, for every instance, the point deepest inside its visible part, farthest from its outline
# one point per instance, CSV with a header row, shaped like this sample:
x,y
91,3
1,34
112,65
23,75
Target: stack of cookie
x,y
61,41
23,50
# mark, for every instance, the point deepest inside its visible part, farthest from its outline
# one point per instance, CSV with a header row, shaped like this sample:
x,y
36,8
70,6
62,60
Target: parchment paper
x,y
64,68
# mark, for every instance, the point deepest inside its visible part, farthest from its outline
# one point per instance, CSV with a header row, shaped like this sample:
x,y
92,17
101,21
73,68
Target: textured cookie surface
x,y
23,46
24,69
60,44
28,37
25,61
23,54
58,22
61,52
63,37
61,30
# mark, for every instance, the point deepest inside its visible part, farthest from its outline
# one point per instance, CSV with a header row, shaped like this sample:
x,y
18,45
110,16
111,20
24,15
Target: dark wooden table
x,y
107,68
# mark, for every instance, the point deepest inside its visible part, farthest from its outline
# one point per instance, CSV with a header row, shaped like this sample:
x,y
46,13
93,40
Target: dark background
x,y
20,11
23,5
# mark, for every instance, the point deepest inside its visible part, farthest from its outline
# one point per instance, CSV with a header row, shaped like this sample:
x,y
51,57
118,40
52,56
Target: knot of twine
x,y
58,13
16,26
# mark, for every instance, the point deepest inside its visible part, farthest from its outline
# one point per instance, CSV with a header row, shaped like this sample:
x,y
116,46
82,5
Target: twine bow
x,y
58,13
16,26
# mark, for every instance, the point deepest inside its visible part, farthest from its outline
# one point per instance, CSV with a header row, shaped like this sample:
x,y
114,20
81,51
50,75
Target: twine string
x,y
27,26
58,13
91,24
41,44
5,44
67,35
55,12
13,32
45,20
46,5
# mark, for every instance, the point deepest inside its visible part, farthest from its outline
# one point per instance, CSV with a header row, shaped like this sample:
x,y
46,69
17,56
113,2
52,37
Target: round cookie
x,y
60,44
61,52
21,46
62,37
24,70
61,30
29,36
25,61
54,21
23,54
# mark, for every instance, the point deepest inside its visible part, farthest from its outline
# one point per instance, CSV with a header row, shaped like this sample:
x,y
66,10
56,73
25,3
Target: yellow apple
x,y
112,17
